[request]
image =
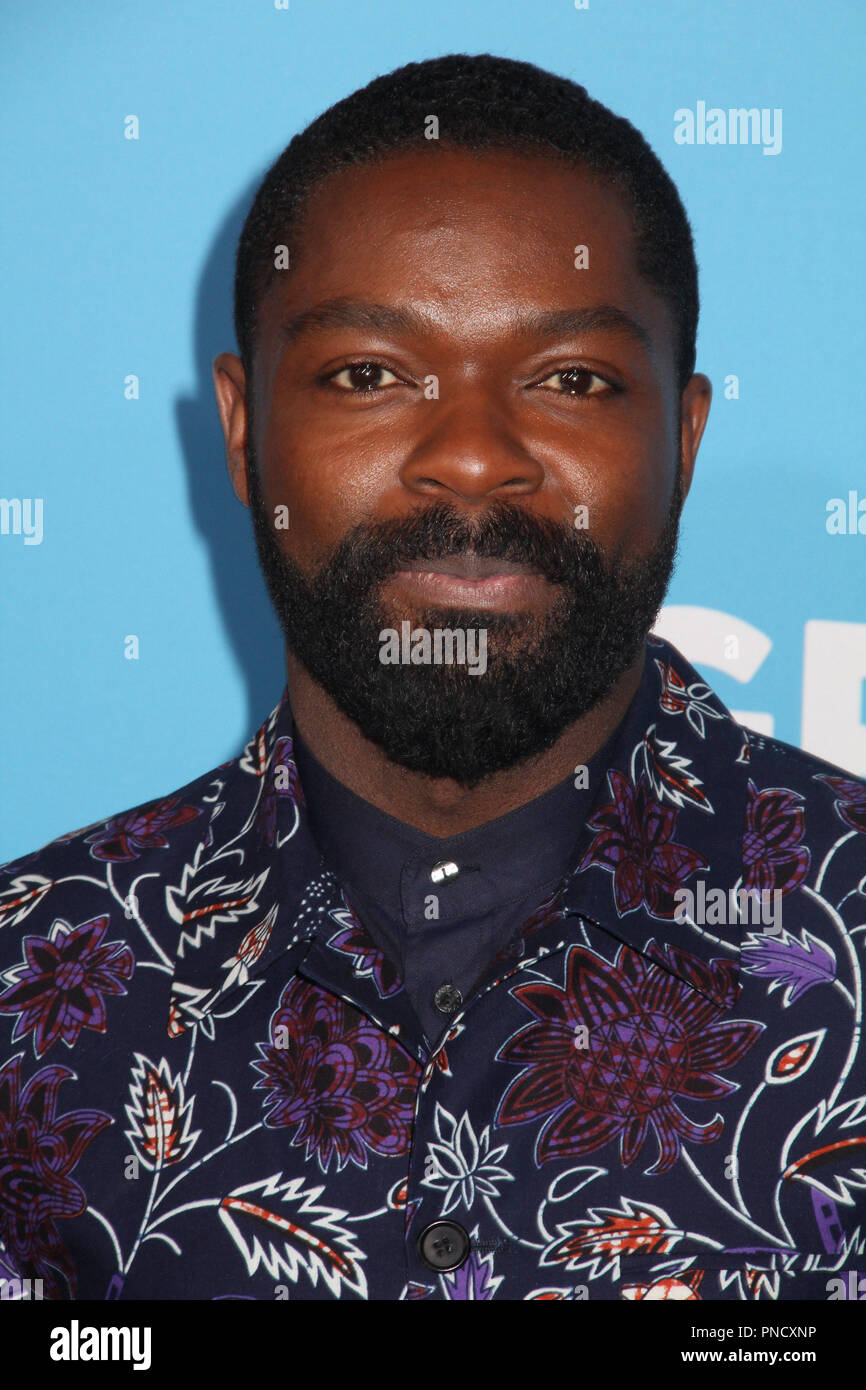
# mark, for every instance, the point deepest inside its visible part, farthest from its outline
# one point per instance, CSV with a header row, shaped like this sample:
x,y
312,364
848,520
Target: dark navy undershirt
x,y
506,869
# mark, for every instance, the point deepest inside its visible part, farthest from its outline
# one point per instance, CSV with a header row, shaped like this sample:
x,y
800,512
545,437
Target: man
x,y
503,963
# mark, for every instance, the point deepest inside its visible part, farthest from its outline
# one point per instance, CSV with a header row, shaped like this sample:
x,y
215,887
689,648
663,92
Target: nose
x,y
471,450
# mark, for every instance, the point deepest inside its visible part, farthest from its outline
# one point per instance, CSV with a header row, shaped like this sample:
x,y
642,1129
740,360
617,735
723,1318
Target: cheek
x,y
621,469
328,484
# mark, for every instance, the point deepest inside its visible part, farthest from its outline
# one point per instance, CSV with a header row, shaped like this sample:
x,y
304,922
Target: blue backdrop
x,y
116,515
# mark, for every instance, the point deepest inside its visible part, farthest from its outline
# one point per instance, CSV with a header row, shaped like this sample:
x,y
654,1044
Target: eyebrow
x,y
395,319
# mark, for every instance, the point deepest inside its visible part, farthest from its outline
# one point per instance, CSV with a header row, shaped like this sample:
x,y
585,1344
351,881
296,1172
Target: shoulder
x,y
769,757
136,834
796,798
106,869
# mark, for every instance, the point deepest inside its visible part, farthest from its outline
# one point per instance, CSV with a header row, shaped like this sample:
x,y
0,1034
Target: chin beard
x,y
542,673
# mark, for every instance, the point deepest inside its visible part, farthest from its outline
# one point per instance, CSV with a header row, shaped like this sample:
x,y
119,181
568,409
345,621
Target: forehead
x,y
467,235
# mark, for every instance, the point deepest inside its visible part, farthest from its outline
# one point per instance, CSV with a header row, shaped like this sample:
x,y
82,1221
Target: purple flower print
x,y
367,959
60,986
635,840
850,803
38,1151
653,1033
773,853
281,783
124,837
345,1086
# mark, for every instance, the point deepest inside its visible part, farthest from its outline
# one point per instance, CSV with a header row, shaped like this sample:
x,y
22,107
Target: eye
x,y
361,377
578,381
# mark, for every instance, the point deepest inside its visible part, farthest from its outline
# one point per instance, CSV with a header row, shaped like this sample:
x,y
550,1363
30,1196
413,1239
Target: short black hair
x,y
481,102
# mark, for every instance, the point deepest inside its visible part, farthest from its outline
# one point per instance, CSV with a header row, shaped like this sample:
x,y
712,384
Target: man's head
x,y
481,349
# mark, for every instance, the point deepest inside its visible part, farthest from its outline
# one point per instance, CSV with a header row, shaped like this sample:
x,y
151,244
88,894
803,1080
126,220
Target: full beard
x,y
542,673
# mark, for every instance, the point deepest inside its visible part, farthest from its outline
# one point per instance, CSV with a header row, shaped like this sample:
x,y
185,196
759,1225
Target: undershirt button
x,y
448,999
446,868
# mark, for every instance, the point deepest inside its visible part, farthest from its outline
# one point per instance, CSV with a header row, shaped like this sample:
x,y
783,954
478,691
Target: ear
x,y
230,385
694,409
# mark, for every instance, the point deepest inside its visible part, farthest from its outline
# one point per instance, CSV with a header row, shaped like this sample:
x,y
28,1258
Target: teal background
x,y
118,256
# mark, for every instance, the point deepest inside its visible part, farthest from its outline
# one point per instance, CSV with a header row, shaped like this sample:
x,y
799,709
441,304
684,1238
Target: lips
x,y
468,566
472,581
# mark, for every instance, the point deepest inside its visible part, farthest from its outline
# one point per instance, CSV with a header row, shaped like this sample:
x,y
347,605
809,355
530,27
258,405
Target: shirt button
x,y
446,868
444,1245
448,999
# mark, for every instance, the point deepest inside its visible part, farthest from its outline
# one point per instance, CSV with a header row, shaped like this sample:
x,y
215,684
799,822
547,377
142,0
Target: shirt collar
x,y
257,889
377,856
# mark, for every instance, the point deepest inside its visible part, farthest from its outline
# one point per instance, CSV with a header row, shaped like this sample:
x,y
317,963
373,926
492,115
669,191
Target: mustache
x,y
374,551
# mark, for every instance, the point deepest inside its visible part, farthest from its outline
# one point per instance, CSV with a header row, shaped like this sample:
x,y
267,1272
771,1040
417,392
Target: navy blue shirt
x,y
441,908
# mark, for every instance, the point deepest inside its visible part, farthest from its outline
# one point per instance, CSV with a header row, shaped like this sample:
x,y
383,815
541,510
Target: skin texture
x,y
470,241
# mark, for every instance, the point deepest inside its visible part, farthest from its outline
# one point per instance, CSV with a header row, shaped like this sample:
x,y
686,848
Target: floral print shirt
x,y
212,1085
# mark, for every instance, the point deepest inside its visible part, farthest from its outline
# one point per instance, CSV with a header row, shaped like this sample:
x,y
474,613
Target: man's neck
x,y
440,806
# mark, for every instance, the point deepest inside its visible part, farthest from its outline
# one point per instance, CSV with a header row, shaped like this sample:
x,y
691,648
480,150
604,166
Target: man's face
x,y
515,474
